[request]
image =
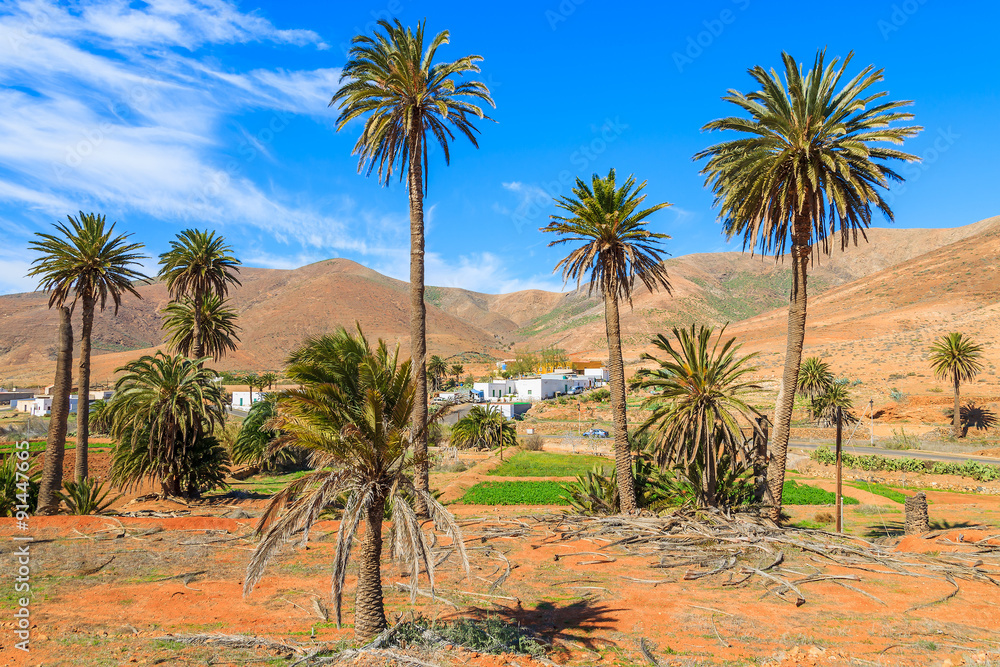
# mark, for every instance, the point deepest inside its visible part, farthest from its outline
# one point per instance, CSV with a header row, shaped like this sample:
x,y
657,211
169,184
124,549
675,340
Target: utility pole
x,y
871,414
840,497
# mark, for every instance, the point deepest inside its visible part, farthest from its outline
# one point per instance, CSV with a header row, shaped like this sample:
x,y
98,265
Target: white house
x,y
495,388
509,410
598,374
242,400
533,388
41,406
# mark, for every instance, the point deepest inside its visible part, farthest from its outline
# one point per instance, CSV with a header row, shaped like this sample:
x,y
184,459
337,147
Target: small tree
x,y
955,357
457,370
353,413
815,377
484,427
436,368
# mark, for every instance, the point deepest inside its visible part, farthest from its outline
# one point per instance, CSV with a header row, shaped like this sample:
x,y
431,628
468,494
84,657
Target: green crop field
x,y
548,464
793,493
515,493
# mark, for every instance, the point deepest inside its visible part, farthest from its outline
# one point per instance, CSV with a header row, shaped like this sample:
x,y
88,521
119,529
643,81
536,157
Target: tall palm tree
x,y
810,164
394,84
268,378
699,404
86,263
55,443
353,412
617,248
436,368
815,377
486,427
198,265
457,370
168,403
216,324
956,357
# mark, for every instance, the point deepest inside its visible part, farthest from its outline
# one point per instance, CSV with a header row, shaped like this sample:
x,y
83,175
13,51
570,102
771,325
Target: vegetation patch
x,y
981,472
793,493
881,490
491,635
547,464
516,493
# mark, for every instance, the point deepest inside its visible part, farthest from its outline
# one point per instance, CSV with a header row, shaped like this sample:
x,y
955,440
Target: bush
x,y
491,635
901,441
897,395
14,491
531,443
86,497
981,472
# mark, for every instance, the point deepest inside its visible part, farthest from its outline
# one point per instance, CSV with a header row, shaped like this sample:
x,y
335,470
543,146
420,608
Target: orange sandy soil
x,y
105,589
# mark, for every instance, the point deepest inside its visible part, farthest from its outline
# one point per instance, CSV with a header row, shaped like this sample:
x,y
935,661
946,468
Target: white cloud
x,y
478,272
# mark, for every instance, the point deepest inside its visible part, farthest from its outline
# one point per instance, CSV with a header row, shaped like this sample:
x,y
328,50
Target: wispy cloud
x,y
478,272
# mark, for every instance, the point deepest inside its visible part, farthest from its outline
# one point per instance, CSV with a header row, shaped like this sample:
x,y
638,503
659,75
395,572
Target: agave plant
x,y
86,497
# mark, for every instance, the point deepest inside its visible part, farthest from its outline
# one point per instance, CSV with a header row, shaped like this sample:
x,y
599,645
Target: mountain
x,y
903,282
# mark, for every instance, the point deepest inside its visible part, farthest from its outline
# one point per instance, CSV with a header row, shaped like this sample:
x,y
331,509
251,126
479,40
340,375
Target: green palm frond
x,y
391,81
484,427
814,147
218,326
617,248
198,263
815,377
86,260
698,403
956,357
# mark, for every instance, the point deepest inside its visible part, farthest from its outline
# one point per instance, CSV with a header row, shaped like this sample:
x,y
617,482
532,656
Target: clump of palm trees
x,y
353,411
484,427
84,263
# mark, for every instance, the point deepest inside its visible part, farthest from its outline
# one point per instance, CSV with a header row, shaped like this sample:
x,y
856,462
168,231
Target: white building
x,y
598,374
533,388
242,400
41,406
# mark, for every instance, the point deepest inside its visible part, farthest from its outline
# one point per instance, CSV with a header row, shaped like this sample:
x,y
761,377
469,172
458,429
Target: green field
x,y
793,493
515,493
547,464
880,490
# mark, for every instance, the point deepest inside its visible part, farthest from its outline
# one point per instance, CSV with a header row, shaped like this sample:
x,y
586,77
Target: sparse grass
x,y
267,484
548,464
515,493
880,490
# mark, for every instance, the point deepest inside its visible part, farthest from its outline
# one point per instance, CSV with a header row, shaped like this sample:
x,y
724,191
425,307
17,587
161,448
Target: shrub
x,y
870,461
897,395
492,635
86,497
14,491
901,441
531,443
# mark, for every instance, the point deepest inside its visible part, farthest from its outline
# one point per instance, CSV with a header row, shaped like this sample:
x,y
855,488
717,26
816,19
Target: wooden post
x,y
840,497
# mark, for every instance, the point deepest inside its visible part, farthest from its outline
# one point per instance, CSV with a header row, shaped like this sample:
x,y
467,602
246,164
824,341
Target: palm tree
x,y
216,323
617,248
457,370
956,357
353,412
55,443
835,397
268,378
393,82
436,368
252,446
815,377
87,262
699,403
809,165
484,427
165,404
198,264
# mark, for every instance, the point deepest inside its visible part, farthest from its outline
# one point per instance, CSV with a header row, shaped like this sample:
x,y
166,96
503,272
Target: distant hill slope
x,y
278,309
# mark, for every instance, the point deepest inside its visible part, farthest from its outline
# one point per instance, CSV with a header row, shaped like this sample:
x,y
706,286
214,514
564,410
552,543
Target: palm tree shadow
x,y
885,529
551,622
948,525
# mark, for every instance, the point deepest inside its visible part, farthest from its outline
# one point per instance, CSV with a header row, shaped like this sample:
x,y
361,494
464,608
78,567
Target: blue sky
x,y
214,114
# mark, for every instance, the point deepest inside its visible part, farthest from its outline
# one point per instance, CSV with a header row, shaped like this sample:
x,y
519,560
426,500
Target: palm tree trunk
x,y
616,370
83,393
418,329
55,448
197,345
369,610
956,419
711,474
793,359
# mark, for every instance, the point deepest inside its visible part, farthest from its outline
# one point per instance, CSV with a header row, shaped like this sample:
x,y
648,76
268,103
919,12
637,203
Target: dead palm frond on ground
x,y
352,412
